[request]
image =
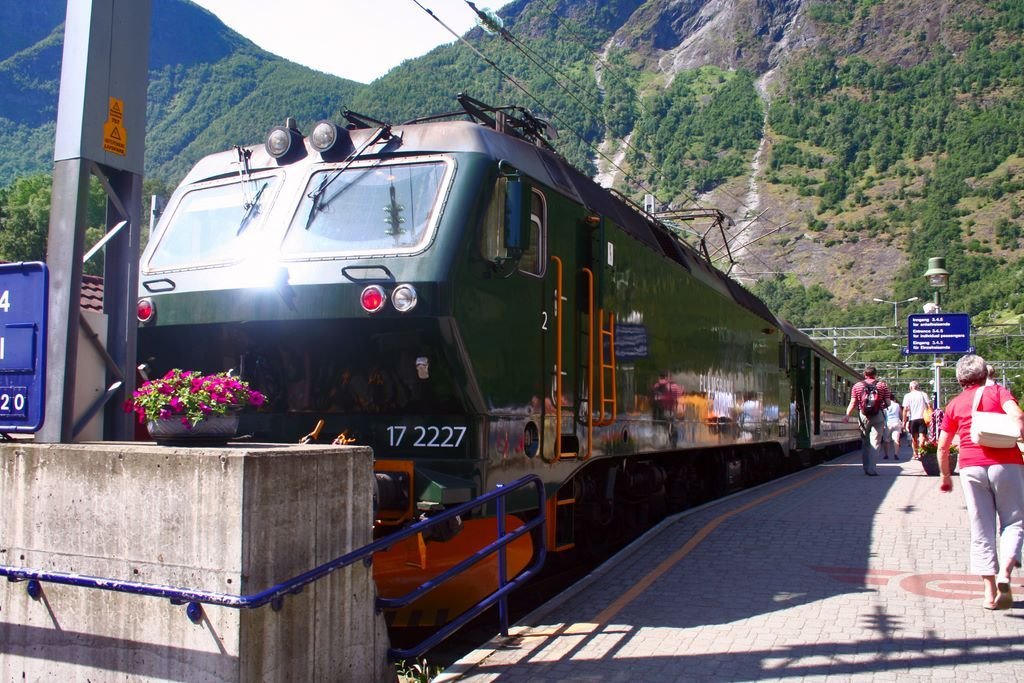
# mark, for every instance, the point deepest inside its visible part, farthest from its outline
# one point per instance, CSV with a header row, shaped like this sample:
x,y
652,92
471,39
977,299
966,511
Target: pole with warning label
x,y
115,137
103,79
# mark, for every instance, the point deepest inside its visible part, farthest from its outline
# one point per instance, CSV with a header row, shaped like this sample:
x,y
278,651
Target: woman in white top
x,y
894,426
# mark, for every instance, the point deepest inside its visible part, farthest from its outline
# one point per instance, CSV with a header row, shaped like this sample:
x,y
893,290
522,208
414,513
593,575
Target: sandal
x,y
1004,600
988,604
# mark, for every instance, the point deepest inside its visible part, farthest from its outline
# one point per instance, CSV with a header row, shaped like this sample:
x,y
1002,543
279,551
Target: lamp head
x,y
937,275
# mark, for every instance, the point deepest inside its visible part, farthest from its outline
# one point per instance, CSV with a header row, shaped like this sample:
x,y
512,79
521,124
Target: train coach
x,y
455,295
820,386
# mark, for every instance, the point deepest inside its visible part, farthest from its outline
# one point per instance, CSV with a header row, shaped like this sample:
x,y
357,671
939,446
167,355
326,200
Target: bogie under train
x,y
455,295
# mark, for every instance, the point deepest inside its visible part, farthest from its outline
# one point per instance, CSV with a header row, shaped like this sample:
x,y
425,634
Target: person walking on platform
x,y
893,429
993,481
915,403
869,397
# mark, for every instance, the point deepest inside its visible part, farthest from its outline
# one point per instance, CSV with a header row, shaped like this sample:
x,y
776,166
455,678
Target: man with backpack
x,y
870,397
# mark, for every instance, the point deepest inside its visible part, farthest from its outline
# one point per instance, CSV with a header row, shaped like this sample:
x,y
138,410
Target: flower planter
x,y
930,463
215,429
209,404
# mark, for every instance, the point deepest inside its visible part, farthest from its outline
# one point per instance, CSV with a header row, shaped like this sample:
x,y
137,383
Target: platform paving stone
x,y
826,575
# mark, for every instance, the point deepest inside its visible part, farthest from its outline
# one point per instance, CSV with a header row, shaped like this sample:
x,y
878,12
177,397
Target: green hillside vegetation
x,y
194,111
926,149
701,130
209,89
564,57
926,159
25,220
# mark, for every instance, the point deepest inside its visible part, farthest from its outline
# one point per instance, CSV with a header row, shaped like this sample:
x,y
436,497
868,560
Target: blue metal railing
x,y
194,599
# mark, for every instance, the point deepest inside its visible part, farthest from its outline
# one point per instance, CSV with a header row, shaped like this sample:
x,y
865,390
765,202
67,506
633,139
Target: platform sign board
x,y
939,333
23,309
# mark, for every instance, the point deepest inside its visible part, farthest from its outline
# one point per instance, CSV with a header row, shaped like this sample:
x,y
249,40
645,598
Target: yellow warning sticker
x,y
115,137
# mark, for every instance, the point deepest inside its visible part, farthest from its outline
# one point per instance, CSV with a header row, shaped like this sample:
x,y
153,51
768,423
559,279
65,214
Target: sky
x,y
356,39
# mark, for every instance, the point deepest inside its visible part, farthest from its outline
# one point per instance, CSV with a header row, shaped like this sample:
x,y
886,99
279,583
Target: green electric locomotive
x,y
455,295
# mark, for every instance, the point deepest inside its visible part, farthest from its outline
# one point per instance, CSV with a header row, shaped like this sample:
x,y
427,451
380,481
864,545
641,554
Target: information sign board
x,y
939,333
23,307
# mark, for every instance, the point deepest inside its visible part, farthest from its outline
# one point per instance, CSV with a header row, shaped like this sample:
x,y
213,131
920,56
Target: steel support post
x,y
65,246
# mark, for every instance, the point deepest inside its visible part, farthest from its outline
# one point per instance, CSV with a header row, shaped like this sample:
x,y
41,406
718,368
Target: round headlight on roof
x,y
278,142
324,136
283,140
404,298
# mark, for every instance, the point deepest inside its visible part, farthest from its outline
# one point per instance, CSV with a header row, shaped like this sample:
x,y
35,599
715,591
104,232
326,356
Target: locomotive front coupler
x,y
443,532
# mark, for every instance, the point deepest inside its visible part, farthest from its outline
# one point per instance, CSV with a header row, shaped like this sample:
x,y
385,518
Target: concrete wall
x,y
237,520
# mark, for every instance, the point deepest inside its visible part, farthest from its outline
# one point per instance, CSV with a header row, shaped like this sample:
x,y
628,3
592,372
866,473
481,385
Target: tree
x,y
25,220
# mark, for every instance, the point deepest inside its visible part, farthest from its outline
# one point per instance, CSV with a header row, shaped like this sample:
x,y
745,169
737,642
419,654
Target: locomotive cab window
x,y
367,210
210,224
533,257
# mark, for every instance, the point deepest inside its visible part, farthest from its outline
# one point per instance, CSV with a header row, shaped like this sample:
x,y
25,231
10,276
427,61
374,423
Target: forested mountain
x,y
209,88
849,140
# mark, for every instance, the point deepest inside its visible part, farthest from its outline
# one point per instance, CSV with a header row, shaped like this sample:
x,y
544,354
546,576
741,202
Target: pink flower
x,y
190,395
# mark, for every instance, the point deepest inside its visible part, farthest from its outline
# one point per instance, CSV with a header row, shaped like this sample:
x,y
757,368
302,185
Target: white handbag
x,y
994,430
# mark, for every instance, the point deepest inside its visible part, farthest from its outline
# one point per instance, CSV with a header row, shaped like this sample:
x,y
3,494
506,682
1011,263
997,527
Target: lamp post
x,y
895,307
938,278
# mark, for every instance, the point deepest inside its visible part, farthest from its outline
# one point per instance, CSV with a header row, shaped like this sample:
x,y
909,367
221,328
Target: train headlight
x,y
373,298
278,142
145,310
324,136
404,298
283,140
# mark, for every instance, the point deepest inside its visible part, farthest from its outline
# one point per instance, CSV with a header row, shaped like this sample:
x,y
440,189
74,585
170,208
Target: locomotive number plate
x,y
425,436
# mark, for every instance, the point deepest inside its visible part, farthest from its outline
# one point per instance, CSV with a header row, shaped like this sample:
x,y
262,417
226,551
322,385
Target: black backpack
x,y
870,400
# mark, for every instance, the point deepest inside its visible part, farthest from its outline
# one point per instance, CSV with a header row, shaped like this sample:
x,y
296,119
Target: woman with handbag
x,y
992,475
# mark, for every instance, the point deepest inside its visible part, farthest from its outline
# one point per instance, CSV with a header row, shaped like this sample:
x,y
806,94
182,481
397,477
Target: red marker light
x,y
145,310
372,299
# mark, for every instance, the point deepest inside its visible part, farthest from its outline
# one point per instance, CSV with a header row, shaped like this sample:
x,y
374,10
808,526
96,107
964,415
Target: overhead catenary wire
x,y
740,202
749,223
562,122
757,239
543,64
537,61
610,68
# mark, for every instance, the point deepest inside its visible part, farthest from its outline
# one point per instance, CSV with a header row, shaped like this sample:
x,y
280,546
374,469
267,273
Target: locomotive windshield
x,y
380,209
209,221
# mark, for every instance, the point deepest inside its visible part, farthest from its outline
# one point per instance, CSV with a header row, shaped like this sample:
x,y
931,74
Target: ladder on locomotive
x,y
583,414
